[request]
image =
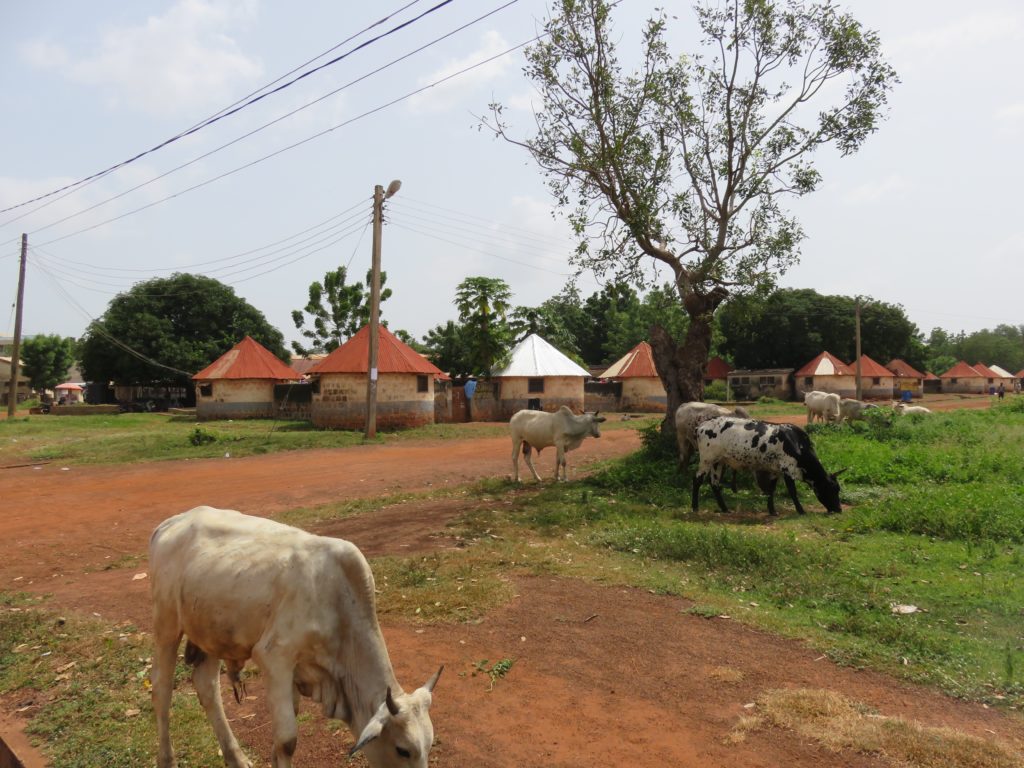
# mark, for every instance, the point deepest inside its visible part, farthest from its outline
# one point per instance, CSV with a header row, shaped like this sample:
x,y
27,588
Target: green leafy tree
x,y
163,330
547,322
445,346
47,359
483,304
686,160
632,324
334,311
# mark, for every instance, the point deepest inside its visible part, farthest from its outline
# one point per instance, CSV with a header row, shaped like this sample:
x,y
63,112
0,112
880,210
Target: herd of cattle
x,y
302,606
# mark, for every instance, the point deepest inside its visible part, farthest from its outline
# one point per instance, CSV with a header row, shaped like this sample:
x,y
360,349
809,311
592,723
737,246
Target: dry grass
x,y
726,675
842,724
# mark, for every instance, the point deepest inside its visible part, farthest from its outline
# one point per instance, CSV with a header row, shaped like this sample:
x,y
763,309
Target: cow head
x,y
400,734
595,420
827,491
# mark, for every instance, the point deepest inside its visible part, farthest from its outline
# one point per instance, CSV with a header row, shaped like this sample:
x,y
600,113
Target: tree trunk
x,y
681,367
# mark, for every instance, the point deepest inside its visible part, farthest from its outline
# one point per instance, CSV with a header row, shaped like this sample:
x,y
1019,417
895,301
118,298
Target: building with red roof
x,y
876,381
718,370
240,383
908,378
825,373
965,379
642,389
405,384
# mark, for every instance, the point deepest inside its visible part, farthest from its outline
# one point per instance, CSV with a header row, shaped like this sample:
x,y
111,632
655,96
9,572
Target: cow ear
x,y
370,732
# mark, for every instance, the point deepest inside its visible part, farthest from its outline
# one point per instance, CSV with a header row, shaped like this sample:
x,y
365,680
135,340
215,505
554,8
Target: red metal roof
x,y
1019,374
248,359
816,367
717,369
904,369
303,364
636,364
985,371
869,367
68,385
962,371
393,356
929,376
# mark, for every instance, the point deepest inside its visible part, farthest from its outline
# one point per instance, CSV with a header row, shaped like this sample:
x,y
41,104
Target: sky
x,y
924,215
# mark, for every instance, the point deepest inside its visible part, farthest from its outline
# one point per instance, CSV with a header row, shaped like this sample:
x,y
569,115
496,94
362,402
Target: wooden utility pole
x,y
379,196
857,332
371,379
12,392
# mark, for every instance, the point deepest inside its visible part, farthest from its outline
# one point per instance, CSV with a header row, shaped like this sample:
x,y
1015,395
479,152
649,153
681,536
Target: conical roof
x,y
535,357
1000,372
248,359
825,364
636,364
869,367
904,369
985,371
393,356
962,371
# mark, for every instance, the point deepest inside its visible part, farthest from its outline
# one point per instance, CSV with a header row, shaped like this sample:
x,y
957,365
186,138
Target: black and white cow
x,y
770,450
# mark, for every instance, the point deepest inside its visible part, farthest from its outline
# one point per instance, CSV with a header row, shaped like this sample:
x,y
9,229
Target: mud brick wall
x,y
341,401
643,394
558,391
236,399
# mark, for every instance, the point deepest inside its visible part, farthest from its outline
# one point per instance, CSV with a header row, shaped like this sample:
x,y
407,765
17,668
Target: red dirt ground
x,y
603,676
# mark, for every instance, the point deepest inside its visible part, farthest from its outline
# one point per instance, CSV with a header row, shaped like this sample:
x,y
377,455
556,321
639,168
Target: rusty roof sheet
x,y
717,368
962,371
904,369
635,364
985,371
825,364
248,359
393,356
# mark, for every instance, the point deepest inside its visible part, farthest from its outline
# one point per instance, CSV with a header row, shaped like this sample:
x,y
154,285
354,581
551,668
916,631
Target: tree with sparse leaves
x,y
335,312
685,161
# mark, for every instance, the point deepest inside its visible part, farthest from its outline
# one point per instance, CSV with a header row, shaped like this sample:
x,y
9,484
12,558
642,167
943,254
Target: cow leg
x,y
767,482
516,446
685,452
698,478
716,488
529,461
166,639
281,701
560,463
791,487
206,679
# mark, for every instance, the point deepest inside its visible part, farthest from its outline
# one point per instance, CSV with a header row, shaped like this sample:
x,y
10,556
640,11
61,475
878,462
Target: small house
x,y
1004,377
68,393
718,370
825,373
908,378
405,384
964,379
932,384
876,381
642,389
22,388
991,377
764,382
240,383
539,376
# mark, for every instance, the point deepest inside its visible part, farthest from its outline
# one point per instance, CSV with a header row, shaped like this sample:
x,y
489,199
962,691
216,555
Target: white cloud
x,y
443,97
166,64
975,31
890,189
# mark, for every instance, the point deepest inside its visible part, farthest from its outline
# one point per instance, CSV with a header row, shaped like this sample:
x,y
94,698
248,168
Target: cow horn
x,y
392,707
837,474
429,685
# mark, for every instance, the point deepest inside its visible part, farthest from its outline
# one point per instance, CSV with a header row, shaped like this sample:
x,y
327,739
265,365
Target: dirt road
x,y
602,676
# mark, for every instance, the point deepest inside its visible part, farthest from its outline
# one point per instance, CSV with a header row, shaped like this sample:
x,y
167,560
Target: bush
x,y
200,436
715,391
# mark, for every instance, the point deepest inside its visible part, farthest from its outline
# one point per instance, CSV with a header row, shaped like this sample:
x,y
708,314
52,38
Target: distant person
x,y
1002,390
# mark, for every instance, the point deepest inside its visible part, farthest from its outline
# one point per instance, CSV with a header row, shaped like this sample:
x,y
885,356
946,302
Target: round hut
x,y
240,383
642,389
538,376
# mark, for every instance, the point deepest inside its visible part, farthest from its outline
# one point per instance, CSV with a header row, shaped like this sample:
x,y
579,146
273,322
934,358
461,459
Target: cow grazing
x,y
850,410
691,415
770,450
822,405
908,410
303,608
562,429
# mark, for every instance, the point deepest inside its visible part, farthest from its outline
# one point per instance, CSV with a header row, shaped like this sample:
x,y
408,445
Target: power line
x,y
257,129
297,144
237,107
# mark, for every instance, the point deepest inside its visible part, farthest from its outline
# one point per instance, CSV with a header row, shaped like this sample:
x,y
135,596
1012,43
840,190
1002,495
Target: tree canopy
x,y
46,359
335,311
483,304
165,329
684,161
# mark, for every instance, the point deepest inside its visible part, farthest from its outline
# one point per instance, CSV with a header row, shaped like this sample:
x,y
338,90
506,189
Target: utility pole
x,y
857,365
12,392
379,196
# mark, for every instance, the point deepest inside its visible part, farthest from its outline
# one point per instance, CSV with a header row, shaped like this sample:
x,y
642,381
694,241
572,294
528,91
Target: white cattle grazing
x,y
904,409
822,405
562,429
302,607
850,409
770,450
689,416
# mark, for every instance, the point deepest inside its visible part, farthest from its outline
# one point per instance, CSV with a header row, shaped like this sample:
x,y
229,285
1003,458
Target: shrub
x,y
200,436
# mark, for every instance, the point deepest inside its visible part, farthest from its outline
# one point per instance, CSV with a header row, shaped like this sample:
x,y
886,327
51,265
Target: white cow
x,y
302,607
689,416
850,409
562,429
823,405
904,409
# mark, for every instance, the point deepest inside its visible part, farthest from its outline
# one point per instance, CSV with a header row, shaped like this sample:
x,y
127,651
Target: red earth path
x,y
603,676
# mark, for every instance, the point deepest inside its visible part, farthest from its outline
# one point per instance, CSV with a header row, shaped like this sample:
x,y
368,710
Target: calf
x,y
562,429
850,409
302,607
904,409
770,450
821,405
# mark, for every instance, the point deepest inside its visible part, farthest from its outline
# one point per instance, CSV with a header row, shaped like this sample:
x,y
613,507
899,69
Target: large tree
x,y
335,311
686,160
164,330
47,359
484,304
